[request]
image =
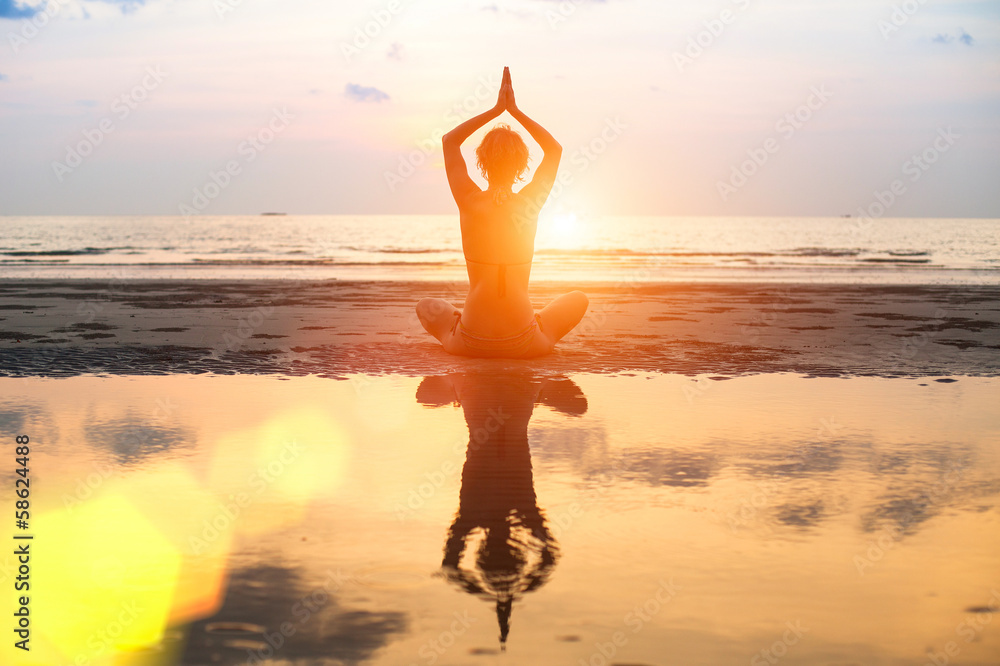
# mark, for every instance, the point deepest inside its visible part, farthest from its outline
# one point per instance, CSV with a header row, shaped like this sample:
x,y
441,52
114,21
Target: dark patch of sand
x,y
336,328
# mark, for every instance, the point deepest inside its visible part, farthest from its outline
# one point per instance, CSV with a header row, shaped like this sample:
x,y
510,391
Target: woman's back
x,y
498,239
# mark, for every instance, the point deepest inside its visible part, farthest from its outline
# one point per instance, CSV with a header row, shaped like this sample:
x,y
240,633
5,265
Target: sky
x,y
718,107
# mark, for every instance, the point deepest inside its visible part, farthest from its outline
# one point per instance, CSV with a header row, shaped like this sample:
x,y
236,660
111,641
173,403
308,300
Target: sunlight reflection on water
x,y
663,519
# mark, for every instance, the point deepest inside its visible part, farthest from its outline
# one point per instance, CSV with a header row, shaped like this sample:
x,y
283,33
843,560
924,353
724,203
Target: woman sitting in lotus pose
x,y
498,239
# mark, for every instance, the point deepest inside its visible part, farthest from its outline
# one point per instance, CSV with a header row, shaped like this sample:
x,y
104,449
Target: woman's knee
x,y
430,313
430,308
423,309
577,303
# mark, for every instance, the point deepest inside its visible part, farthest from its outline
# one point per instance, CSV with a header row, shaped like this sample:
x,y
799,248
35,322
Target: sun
x,y
564,224
562,230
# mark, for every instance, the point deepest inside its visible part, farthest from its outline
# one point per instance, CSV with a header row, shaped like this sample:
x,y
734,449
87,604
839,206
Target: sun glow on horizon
x,y
562,231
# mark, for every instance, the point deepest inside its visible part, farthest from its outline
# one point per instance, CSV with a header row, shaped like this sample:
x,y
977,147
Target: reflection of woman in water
x,y
498,239
499,525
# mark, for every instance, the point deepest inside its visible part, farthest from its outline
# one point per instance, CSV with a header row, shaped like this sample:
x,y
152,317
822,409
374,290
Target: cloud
x,y
131,438
328,624
126,5
945,38
10,9
4,77
396,51
364,93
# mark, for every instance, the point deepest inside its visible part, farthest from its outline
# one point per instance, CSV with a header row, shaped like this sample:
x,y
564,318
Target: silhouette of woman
x,y
498,522
498,240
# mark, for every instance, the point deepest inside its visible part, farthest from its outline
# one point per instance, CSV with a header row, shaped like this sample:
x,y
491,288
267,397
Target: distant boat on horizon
x,y
262,214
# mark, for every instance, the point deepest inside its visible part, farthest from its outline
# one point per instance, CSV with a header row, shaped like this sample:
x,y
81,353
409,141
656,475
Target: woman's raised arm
x,y
545,176
454,164
457,136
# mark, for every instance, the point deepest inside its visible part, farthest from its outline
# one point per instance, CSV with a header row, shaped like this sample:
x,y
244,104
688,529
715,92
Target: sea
x,y
568,248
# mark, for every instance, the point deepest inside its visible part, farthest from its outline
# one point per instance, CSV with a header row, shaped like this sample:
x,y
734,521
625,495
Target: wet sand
x,y
337,328
695,520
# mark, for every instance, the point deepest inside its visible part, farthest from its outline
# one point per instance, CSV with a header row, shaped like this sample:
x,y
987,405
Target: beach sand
x,y
865,511
338,328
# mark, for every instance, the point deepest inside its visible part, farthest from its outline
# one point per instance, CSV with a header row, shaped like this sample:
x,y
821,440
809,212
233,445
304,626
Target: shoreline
x,y
881,274
335,328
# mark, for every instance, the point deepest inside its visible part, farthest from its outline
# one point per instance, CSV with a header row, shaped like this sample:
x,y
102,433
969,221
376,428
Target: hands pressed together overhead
x,y
505,101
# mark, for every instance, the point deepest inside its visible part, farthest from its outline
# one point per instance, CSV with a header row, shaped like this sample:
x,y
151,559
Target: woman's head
x,y
502,157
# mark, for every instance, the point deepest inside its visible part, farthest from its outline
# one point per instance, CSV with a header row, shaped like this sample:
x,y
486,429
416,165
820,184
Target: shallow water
x,y
567,248
639,519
